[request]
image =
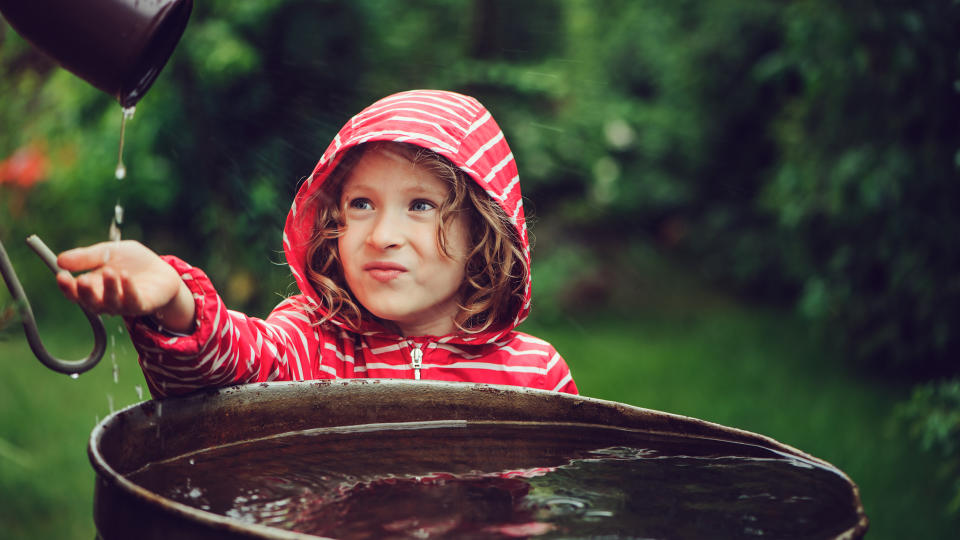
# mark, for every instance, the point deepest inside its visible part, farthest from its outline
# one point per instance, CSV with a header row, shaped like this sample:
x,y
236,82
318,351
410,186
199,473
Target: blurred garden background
x,y
743,211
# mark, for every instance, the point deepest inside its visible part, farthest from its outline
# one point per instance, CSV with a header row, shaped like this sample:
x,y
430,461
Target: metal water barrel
x,y
155,431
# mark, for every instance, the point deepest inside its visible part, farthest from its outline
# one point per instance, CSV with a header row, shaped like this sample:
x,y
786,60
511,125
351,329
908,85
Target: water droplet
x,y
159,416
115,223
139,390
113,359
121,171
114,234
110,402
74,376
191,461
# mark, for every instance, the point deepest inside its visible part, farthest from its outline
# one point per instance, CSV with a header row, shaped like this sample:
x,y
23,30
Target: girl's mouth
x,y
384,271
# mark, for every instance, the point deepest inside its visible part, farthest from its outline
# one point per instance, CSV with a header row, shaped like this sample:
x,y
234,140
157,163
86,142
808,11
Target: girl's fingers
x,y
132,304
68,285
84,258
90,291
112,292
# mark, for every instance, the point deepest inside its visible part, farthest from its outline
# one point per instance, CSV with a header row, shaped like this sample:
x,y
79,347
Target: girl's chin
x,y
415,324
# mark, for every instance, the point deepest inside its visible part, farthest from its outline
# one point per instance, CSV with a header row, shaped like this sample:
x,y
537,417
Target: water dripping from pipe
x,y
121,171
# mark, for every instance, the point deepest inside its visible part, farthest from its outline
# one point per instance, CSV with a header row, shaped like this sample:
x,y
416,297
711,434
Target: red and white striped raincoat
x,y
228,347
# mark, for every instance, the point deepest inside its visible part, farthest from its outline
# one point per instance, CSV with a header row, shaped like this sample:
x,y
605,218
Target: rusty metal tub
x,y
154,431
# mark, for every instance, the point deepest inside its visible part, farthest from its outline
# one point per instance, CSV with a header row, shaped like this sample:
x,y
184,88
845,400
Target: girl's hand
x,y
126,278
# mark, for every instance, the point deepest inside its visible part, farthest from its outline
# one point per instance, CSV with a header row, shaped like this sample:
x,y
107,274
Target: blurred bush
x,y
801,153
932,417
866,188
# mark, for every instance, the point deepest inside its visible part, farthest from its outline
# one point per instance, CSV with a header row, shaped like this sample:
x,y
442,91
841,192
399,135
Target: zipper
x,y
416,360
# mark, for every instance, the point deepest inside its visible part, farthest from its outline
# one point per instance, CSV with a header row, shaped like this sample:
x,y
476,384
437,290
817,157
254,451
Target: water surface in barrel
x,y
507,480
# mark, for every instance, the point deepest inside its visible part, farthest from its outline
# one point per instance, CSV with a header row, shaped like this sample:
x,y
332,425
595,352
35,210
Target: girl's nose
x,y
387,232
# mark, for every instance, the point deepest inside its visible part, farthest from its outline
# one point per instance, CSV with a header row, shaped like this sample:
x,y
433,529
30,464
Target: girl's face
x,y
389,249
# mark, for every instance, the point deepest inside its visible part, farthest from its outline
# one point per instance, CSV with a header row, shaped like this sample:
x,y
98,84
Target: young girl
x,y
408,244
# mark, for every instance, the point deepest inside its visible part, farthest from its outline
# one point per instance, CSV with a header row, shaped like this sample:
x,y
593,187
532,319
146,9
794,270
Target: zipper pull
x,y
416,360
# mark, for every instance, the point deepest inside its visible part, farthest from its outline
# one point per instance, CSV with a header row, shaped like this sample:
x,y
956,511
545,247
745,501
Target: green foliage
x,y
865,190
802,153
932,417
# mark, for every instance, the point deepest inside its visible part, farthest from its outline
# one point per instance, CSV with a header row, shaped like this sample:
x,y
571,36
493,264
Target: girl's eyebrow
x,y
410,191
355,186
420,189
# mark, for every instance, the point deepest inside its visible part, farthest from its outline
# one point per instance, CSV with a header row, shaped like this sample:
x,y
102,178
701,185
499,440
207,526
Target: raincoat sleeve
x,y
226,347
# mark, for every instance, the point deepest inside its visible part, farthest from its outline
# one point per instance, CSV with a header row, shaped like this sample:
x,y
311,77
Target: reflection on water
x,y
505,480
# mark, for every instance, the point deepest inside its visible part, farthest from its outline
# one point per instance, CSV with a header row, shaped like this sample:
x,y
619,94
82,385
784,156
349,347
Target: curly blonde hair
x,y
496,272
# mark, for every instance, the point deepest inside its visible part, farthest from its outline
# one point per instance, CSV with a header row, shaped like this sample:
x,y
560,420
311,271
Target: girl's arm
x,y
185,336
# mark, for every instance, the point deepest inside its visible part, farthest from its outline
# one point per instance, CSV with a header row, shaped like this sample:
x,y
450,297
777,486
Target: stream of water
x,y
115,234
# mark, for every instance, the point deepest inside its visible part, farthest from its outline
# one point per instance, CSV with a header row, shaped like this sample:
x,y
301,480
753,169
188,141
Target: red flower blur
x,y
25,167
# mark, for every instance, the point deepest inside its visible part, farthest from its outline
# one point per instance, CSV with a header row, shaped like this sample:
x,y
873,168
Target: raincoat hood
x,y
453,125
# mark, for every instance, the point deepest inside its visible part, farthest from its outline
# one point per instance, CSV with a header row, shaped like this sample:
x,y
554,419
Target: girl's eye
x,y
422,205
360,203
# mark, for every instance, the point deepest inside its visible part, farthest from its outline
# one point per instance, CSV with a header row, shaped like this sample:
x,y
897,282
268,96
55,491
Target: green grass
x,y
762,371
46,481
749,368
